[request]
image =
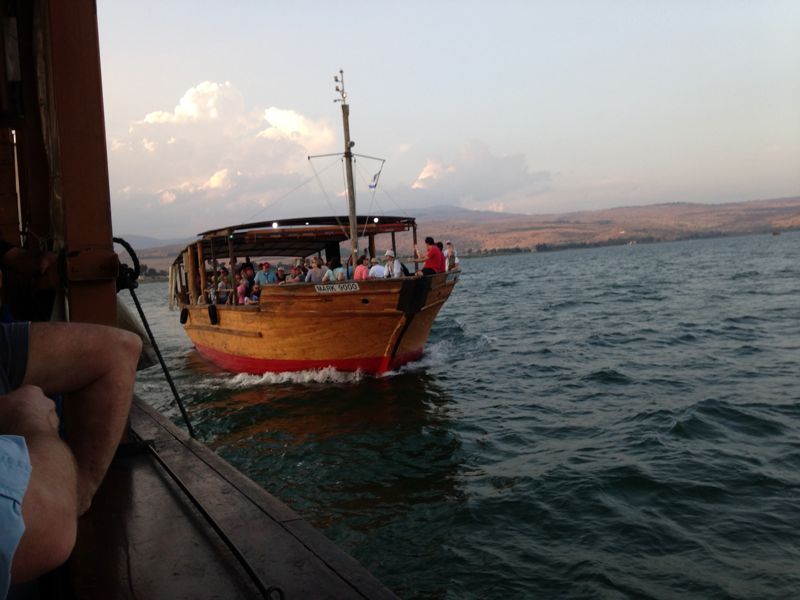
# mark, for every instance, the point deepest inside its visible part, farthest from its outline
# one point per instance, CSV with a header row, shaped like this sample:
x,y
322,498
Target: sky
x,y
526,107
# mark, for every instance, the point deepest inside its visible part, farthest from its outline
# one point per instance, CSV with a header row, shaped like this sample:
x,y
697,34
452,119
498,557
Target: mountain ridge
x,y
478,232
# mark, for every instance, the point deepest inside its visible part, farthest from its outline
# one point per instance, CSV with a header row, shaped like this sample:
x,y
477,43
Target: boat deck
x,y
143,537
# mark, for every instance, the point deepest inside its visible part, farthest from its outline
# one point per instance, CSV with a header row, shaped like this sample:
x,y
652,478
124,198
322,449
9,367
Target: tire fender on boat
x,y
212,314
184,315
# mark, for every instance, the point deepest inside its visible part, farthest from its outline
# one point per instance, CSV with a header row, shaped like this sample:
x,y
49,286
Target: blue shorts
x,y
15,465
15,470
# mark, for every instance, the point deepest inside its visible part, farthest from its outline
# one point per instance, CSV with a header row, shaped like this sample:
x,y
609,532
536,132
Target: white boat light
x,y
275,225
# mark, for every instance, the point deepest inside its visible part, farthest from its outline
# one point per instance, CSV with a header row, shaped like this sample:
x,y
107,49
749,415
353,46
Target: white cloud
x,y
117,145
476,178
213,160
431,174
219,180
203,101
289,125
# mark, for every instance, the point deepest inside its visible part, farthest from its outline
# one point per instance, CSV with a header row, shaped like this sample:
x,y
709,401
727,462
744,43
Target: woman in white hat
x,y
393,268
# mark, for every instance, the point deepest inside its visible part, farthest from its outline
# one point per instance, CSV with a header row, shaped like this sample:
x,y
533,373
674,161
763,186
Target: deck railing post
x,y
201,265
191,274
416,264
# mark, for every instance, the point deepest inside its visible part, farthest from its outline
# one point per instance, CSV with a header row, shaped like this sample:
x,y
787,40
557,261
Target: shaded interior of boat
x,y
297,238
171,520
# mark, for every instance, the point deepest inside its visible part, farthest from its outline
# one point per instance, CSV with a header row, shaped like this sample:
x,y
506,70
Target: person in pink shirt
x,y
434,259
362,270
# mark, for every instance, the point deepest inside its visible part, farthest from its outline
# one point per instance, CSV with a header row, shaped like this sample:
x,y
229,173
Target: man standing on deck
x,y
45,483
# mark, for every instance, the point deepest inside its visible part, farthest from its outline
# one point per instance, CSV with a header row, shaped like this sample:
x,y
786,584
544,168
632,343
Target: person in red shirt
x,y
434,259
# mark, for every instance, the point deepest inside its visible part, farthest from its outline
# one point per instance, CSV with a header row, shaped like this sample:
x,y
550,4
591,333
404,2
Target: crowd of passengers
x,y
246,284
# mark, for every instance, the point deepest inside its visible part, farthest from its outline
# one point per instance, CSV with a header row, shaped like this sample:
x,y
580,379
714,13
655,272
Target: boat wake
x,y
326,375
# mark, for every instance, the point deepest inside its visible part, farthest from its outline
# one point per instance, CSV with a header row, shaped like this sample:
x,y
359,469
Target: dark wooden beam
x,y
82,183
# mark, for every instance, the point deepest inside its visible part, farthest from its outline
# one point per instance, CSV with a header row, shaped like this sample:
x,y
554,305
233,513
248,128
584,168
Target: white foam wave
x,y
245,380
435,354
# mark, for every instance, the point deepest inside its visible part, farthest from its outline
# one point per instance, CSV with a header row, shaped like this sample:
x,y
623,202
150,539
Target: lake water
x,y
607,423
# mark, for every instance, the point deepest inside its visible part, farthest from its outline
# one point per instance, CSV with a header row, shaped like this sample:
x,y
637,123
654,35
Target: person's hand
x,y
26,411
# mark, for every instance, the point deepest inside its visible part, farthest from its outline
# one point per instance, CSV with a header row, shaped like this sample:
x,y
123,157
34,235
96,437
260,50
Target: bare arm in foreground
x,y
94,366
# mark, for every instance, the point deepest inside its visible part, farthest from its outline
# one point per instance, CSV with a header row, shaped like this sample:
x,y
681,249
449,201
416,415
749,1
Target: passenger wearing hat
x,y
392,268
376,271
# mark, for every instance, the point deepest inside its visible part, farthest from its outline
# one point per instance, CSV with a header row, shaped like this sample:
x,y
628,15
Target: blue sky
x,y
523,107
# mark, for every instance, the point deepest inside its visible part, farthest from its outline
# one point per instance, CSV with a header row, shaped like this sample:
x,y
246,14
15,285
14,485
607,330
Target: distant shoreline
x,y
627,241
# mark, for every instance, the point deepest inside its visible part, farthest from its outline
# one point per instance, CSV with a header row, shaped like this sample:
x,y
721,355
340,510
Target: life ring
x,y
184,315
212,314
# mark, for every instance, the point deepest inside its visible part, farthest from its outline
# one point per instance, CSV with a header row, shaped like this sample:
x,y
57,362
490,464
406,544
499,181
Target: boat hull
x,y
371,326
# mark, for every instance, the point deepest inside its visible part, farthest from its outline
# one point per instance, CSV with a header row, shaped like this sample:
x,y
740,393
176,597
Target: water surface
x,y
607,423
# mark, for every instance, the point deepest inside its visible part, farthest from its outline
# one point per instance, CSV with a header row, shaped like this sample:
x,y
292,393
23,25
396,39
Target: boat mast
x,y
348,162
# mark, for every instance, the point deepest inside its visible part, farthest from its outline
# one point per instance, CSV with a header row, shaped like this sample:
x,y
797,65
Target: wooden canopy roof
x,y
299,237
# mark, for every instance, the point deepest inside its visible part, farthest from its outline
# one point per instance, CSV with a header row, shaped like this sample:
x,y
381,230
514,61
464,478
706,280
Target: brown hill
x,y
476,232
660,222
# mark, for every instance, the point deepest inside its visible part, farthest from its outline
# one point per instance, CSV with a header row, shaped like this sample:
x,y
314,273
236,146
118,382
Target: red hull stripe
x,y
246,364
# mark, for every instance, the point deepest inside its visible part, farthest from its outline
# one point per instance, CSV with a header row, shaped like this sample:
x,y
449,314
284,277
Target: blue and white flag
x,y
374,183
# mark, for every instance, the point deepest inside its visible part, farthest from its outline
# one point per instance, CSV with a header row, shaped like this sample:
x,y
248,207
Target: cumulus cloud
x,y
219,180
432,173
290,125
203,101
211,160
476,178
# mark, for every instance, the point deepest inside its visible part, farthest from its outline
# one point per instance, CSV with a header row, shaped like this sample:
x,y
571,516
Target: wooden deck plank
x,y
159,545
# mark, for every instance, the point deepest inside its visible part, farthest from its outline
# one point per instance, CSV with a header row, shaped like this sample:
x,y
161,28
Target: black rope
x,y
127,280
268,593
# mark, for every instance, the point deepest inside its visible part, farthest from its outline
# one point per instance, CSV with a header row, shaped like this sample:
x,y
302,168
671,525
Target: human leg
x,y
50,503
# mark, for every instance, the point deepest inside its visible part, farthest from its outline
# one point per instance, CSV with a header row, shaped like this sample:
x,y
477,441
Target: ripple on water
x,y
608,376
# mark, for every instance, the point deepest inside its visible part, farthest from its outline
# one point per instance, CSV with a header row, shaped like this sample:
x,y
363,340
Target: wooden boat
x,y
373,326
